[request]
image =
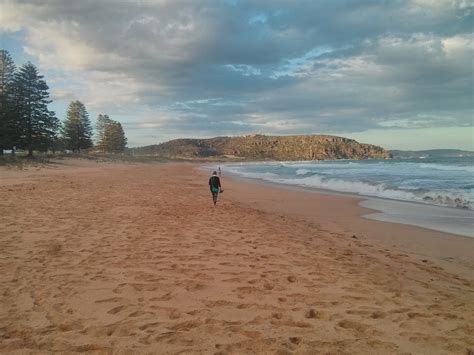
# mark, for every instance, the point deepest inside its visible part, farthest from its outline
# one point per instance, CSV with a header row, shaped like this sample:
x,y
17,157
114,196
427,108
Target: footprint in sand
x,y
116,310
112,299
412,315
148,325
218,303
185,326
378,315
138,313
295,340
268,286
174,314
359,328
277,315
166,297
311,314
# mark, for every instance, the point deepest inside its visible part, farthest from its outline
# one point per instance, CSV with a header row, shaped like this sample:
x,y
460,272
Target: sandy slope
x,y
134,258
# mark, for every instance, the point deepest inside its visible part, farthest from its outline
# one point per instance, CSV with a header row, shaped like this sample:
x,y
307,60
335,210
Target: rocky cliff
x,y
261,147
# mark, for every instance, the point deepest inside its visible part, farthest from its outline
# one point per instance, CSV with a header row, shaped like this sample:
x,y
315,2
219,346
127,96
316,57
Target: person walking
x,y
215,186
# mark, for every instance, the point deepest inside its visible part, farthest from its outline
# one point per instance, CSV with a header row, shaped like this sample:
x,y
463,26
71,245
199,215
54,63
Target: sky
x,y
397,73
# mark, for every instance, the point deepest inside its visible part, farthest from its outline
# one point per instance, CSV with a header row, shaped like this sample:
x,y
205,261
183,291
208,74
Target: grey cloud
x,y
388,61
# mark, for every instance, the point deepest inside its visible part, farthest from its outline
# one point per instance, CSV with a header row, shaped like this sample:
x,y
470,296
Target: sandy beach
x,y
133,258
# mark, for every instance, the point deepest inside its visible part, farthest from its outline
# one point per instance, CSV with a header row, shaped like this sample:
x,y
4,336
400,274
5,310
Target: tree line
x,y
27,123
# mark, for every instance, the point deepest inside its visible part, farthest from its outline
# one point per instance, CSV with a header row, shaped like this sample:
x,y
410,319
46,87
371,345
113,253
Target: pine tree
x,y
110,135
103,121
8,131
77,129
118,141
37,124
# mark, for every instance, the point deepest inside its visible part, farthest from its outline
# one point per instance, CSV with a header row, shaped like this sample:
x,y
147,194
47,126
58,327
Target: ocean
x,y
444,185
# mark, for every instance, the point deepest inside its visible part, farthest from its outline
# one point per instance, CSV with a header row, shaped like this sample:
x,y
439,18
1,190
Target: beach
x,y
133,258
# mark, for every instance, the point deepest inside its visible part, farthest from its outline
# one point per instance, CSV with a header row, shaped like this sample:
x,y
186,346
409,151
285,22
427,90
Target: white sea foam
x,y
253,175
441,198
303,171
310,178
323,165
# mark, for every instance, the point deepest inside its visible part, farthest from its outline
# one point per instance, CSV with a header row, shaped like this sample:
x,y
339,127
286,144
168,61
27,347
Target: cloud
x,y
203,67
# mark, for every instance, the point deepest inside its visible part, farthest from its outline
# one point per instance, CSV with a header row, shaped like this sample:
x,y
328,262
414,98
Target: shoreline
x,y
384,209
437,218
122,258
347,215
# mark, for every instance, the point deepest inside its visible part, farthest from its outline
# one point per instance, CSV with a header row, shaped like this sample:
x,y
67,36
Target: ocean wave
x,y
303,171
443,167
308,178
440,198
253,175
308,172
447,199
339,164
359,187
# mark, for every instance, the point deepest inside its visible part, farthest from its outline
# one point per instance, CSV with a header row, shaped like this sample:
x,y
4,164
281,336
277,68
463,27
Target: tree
x,y
77,129
37,124
103,121
110,135
117,138
8,131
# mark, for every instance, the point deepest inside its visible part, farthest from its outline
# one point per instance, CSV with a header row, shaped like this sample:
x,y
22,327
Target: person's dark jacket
x,y
214,182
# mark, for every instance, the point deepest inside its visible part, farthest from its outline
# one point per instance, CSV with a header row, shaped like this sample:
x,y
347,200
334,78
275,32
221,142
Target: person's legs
x,y
214,197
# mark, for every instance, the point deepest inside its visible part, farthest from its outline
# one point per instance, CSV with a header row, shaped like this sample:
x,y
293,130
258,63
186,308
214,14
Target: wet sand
x,y
110,258
445,219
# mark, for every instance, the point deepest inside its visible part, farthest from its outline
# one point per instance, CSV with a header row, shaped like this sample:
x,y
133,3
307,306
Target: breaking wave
x,y
309,178
445,198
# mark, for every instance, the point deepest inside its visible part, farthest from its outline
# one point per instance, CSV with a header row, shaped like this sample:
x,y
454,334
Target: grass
x,y
22,161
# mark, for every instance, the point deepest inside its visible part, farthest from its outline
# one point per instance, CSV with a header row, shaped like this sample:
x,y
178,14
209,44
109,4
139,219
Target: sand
x,y
109,258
